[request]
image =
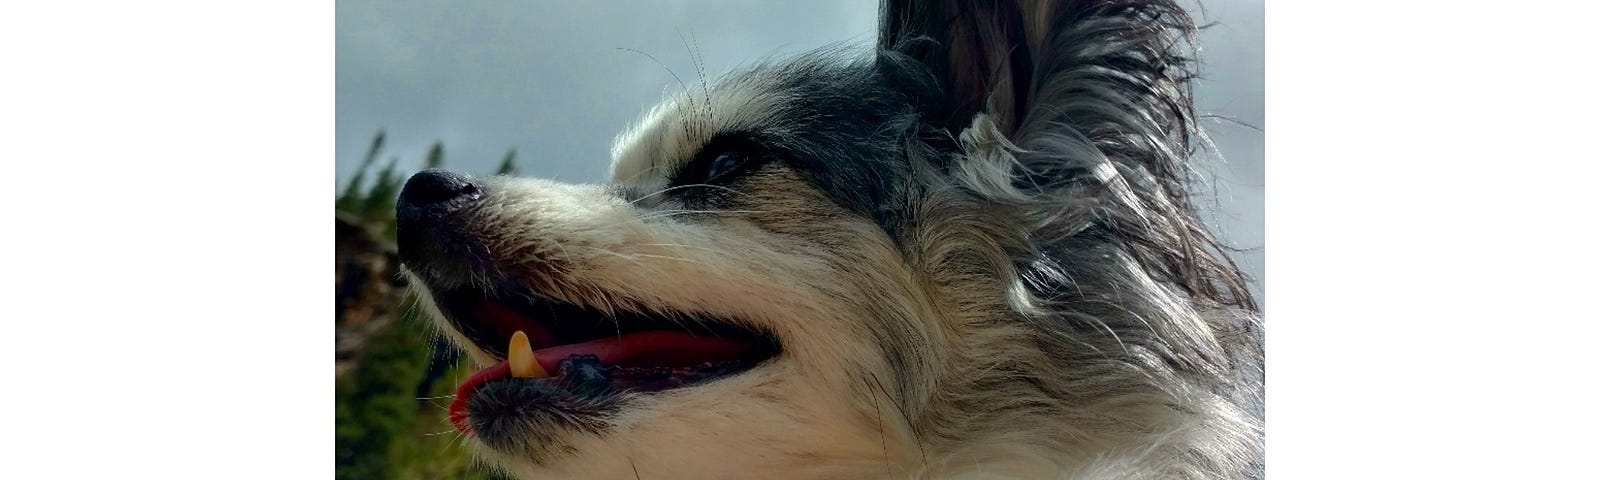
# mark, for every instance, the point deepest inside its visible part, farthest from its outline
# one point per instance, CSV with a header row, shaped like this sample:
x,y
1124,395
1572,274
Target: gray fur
x,y
1062,176
1055,299
1070,184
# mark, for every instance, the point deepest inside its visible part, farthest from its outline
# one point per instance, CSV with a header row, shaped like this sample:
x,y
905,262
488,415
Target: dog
x,y
968,253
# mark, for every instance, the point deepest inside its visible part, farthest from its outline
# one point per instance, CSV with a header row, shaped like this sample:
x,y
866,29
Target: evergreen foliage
x,y
352,191
508,166
382,429
435,155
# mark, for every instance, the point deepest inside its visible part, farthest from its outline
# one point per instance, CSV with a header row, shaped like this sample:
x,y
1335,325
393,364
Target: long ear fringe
x,y
1085,121
978,51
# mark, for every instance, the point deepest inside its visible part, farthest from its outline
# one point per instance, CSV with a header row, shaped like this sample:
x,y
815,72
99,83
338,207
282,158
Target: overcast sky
x,y
556,80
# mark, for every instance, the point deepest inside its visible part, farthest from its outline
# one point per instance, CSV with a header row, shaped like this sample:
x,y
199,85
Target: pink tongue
x,y
653,348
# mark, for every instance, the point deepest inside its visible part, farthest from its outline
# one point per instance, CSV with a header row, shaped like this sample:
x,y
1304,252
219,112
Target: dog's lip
x,y
638,342
651,347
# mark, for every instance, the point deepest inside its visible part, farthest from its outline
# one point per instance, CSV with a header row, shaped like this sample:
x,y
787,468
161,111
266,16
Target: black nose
x,y
435,187
432,223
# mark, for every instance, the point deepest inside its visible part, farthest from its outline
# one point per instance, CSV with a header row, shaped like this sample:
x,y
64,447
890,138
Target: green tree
x,y
381,429
435,155
379,204
508,166
352,195
373,409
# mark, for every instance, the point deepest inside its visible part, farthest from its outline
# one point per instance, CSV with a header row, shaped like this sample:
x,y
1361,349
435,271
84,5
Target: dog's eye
x,y
722,160
725,163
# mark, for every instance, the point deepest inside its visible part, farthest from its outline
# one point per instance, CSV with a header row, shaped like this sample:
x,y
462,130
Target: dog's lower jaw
x,y
856,454
753,427
801,430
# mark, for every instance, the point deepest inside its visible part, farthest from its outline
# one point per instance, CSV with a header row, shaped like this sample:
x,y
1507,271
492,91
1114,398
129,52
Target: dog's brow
x,y
671,133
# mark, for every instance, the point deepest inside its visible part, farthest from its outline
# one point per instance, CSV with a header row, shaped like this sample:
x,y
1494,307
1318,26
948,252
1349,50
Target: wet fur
x,y
975,244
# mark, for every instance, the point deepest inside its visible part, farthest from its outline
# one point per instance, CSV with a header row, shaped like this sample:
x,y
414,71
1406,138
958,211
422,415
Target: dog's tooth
x,y
520,356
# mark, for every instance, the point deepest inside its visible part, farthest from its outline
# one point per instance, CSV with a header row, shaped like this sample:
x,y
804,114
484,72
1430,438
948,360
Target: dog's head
x,y
969,246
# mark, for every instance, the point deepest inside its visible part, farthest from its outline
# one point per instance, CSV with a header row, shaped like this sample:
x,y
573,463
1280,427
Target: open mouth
x,y
577,360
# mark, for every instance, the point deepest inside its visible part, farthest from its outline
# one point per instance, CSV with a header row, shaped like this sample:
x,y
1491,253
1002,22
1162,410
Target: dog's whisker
x,y
635,176
667,257
633,258
711,186
664,66
680,187
883,438
674,213
679,245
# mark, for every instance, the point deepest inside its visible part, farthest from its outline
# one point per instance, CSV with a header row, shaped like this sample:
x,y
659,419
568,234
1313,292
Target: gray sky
x,y
551,79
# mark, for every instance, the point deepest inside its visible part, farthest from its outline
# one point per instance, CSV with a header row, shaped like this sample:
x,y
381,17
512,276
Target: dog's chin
x,y
600,371
772,421
534,426
691,432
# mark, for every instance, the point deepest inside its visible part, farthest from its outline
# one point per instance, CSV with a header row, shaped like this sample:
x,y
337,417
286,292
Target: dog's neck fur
x,y
1068,194
1173,401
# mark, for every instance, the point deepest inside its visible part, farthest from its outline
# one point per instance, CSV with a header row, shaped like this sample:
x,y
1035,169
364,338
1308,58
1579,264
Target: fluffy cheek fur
x,y
778,256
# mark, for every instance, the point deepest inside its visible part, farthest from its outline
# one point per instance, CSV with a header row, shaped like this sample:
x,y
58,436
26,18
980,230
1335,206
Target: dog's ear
x,y
977,52
1076,113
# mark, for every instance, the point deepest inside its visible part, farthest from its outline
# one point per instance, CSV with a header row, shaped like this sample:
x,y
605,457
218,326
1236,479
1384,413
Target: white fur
x,y
920,356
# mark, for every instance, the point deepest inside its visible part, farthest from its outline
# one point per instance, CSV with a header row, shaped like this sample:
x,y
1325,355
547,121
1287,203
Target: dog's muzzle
x,y
556,363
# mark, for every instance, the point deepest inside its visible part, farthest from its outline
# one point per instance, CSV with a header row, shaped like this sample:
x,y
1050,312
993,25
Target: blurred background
x,y
540,89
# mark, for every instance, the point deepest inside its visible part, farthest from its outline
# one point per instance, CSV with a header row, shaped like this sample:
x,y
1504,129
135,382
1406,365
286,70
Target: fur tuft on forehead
x,y
830,115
